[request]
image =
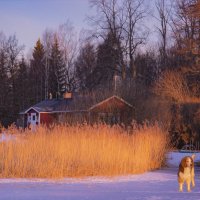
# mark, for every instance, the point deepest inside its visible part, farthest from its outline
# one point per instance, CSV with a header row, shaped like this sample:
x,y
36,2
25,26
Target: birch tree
x,y
47,41
69,46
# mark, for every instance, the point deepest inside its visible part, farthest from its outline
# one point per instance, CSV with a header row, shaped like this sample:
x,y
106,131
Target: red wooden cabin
x,y
76,109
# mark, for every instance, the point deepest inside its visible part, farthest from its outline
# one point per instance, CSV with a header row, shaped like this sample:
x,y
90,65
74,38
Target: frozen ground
x,y
156,185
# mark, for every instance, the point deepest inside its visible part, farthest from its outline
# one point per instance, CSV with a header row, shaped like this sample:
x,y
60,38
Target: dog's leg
x,y
180,187
188,182
193,182
192,177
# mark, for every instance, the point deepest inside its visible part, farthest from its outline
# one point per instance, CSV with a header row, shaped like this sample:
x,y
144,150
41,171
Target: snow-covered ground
x,y
156,185
6,137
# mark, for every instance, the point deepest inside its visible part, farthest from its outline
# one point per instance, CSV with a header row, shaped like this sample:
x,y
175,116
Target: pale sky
x,y
28,19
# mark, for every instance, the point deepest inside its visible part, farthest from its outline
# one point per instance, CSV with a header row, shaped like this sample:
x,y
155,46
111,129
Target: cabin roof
x,y
108,99
76,103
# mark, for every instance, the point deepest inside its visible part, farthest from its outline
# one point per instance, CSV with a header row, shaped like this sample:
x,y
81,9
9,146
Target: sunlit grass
x,y
75,151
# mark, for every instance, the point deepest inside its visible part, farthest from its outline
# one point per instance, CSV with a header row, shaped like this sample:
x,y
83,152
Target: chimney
x,y
117,82
50,96
67,95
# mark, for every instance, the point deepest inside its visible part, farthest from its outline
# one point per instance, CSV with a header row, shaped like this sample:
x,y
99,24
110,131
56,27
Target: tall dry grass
x,y
74,151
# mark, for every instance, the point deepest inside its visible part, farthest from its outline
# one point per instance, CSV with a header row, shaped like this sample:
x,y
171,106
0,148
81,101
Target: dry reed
x,y
82,150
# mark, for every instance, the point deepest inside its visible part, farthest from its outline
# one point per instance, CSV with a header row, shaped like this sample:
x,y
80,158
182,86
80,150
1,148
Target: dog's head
x,y
187,161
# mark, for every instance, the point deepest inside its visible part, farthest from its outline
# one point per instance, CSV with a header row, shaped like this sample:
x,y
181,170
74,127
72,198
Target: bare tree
x,y
4,84
109,21
185,29
47,41
13,51
69,46
163,18
194,11
134,31
195,8
109,18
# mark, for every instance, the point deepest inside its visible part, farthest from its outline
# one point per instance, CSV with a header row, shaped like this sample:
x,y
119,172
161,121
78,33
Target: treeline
x,y
115,50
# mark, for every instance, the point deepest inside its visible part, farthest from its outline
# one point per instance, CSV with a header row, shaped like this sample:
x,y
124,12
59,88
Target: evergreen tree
x,y
85,65
21,85
13,51
57,81
4,87
109,59
37,74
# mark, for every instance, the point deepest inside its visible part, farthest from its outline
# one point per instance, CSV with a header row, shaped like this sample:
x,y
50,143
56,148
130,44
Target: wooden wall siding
x,y
109,118
112,112
76,117
127,115
47,118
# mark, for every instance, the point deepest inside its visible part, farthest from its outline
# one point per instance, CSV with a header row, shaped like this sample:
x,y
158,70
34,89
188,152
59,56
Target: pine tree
x,y
37,73
109,59
21,85
4,87
85,65
56,71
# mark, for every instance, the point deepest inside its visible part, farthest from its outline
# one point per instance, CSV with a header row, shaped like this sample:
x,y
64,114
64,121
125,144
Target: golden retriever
x,y
186,172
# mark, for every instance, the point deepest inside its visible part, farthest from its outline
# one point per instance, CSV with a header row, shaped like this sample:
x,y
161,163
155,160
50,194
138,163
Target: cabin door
x,y
33,119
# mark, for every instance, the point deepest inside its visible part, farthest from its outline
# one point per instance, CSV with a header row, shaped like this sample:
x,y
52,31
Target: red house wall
x,y
46,118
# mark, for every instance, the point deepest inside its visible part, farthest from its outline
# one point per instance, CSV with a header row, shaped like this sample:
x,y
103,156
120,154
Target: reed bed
x,y
82,150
